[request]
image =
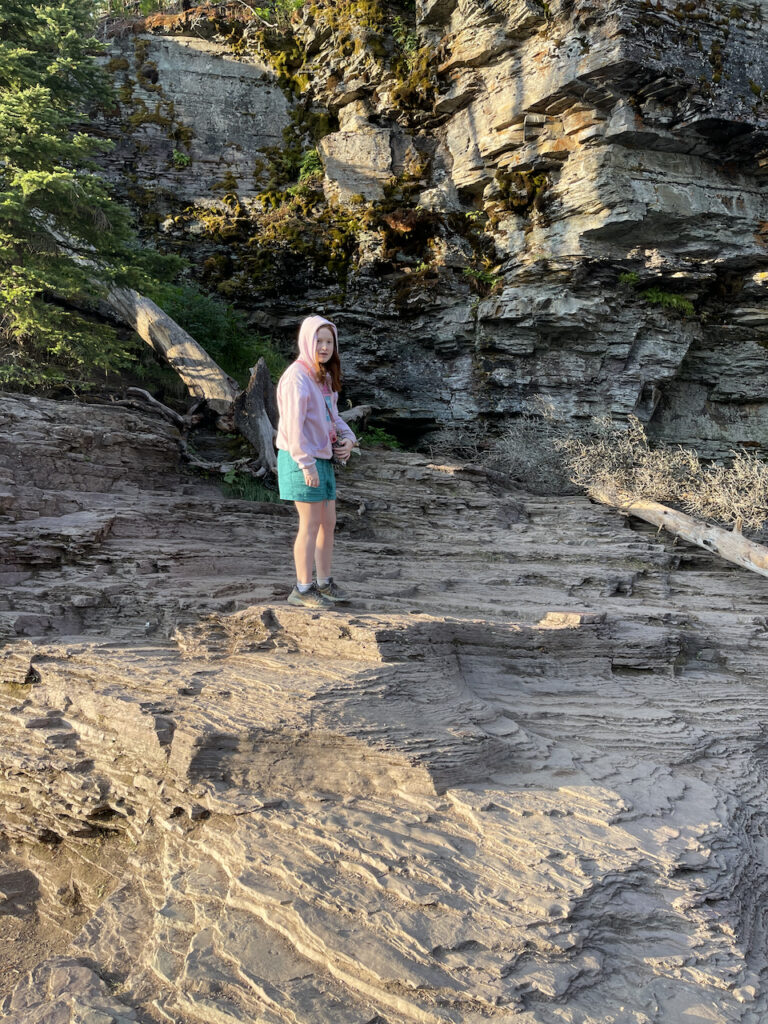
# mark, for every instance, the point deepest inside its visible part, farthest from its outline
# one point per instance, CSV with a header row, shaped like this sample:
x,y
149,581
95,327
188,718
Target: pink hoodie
x,y
304,427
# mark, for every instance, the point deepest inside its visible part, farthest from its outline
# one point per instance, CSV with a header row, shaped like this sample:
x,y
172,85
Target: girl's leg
x,y
310,520
324,548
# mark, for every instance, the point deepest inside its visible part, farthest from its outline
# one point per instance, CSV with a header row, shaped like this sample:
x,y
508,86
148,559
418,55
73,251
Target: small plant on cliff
x,y
670,301
311,165
406,39
524,192
180,160
484,280
277,13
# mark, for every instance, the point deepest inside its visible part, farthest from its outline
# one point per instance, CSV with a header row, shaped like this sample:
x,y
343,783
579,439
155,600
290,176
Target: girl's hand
x,y
343,449
311,477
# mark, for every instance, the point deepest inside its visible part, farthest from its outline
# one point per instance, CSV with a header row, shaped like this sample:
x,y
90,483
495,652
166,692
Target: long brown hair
x,y
333,367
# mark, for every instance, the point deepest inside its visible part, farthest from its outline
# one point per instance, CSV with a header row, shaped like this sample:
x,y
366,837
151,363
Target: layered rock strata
x,y
521,778
520,198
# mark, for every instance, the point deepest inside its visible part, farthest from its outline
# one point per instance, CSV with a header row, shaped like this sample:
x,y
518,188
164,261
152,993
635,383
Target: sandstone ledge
x,y
521,779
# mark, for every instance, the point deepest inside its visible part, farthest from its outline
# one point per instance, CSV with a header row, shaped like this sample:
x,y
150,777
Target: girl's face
x,y
324,344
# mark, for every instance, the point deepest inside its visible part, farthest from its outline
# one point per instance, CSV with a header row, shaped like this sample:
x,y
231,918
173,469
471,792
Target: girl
x,y
309,433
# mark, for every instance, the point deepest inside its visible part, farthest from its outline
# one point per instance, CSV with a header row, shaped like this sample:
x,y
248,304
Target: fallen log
x,y
358,413
731,546
253,411
203,377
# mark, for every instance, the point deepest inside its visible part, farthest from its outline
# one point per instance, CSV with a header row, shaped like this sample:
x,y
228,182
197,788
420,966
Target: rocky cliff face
x,y
518,197
521,778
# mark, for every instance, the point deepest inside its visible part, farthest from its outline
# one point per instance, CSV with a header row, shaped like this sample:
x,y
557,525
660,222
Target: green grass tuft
x,y
247,488
377,437
669,300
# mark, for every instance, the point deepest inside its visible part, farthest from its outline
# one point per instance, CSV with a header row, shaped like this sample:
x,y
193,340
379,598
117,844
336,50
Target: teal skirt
x,y
290,478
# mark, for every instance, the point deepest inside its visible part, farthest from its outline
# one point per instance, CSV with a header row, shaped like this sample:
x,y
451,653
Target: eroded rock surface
x,y
521,778
166,86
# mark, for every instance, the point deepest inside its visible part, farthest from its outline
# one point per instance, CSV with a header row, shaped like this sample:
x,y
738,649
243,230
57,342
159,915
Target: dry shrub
x,y
736,494
611,458
530,450
620,460
545,454
467,442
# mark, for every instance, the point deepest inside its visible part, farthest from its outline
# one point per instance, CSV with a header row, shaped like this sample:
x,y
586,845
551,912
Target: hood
x,y
307,337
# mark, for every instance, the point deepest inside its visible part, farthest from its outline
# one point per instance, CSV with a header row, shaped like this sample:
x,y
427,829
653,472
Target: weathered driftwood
x,y
359,412
203,377
246,465
256,415
731,546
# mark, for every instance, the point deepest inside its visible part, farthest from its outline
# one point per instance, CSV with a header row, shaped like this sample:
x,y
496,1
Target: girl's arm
x,y
293,414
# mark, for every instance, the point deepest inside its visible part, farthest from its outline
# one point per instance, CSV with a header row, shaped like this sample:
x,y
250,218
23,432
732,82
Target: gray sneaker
x,y
311,598
332,592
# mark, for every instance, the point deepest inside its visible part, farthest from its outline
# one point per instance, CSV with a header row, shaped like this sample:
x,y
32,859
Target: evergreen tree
x,y
63,240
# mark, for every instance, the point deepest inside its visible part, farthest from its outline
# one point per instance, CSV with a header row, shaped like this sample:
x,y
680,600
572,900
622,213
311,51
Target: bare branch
x,y
241,465
255,15
164,410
